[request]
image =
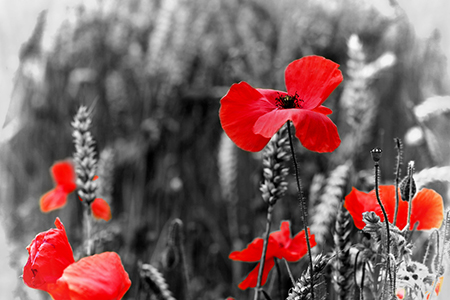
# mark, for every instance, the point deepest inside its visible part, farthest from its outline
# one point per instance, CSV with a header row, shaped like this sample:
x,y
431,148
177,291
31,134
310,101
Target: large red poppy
x,y
51,268
250,117
64,176
427,207
280,245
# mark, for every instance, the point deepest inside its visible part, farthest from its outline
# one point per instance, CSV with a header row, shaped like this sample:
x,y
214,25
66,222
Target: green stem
x,y
263,256
303,209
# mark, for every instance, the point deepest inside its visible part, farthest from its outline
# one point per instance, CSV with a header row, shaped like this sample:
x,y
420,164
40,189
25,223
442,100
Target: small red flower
x,y
427,207
101,210
250,117
280,245
49,254
100,277
63,174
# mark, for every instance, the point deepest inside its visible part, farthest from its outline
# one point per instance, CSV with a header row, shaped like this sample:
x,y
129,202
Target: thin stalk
x,y
303,209
361,288
263,256
397,178
88,228
289,272
409,203
377,192
280,290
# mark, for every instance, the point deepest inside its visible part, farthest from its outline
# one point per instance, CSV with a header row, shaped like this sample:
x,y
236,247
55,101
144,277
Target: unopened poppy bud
x,y
408,184
376,154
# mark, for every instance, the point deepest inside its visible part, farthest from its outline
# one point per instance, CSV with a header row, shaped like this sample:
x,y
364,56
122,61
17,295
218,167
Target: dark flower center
x,y
289,101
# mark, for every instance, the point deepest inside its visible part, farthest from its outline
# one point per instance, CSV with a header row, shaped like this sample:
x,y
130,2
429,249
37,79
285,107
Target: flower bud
x,y
376,154
408,184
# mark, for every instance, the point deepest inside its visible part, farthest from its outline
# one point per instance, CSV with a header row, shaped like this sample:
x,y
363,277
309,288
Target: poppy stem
x,y
289,272
304,211
263,256
377,192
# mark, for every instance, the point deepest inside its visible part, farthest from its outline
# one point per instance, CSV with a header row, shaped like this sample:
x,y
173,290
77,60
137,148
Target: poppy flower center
x,y
289,101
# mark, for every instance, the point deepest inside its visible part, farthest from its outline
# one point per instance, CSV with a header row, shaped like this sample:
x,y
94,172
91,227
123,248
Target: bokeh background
x,y
154,71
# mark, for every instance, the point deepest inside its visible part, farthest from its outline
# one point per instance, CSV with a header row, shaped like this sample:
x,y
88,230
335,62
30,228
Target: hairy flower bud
x,y
408,185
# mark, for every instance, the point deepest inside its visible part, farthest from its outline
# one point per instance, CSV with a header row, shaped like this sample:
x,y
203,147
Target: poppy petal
x,y
63,173
251,253
283,236
297,247
49,254
427,209
315,131
240,108
53,199
313,78
101,276
254,250
357,202
322,110
252,278
101,210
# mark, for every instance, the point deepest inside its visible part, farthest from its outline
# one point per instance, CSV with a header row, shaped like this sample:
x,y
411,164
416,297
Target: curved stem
x,y
303,209
377,172
263,256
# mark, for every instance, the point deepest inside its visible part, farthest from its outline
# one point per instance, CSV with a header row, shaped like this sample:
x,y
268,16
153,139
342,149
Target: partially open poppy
x,y
49,254
280,245
51,268
250,117
427,207
64,176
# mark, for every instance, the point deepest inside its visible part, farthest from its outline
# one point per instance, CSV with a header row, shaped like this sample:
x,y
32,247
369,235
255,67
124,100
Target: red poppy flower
x,y
427,207
250,117
49,254
100,277
101,210
51,268
63,174
280,245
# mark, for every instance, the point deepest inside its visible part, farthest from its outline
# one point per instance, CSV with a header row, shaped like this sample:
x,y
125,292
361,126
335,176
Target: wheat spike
x,y
302,288
329,202
155,282
342,267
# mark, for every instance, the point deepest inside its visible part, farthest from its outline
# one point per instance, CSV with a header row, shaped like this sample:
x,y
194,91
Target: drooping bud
x,y
408,185
376,154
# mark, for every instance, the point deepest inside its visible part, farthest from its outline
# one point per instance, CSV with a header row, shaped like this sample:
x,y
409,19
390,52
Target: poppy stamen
x,y
289,101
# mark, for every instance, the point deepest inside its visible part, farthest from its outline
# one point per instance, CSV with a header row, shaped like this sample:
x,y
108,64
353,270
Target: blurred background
x,y
154,73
